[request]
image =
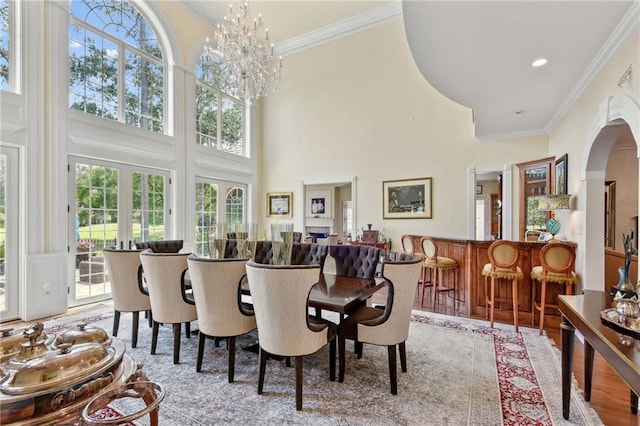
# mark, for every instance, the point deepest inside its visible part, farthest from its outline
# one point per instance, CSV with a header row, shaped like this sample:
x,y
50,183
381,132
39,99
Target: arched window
x,y
220,117
117,66
235,204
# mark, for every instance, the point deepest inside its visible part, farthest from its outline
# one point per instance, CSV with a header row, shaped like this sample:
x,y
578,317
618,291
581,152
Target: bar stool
x,y
503,265
557,266
435,265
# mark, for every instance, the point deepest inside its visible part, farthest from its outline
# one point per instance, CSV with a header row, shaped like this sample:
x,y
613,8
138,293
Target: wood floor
x,y
609,394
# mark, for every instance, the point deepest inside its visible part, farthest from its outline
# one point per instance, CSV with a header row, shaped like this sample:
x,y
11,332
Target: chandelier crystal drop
x,y
246,67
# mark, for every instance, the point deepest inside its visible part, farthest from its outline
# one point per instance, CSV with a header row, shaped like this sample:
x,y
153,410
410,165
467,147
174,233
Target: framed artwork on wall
x,y
407,199
561,175
279,204
319,204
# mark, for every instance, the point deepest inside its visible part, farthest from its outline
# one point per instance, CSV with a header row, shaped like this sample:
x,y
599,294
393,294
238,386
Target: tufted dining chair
x,y
558,261
436,265
161,246
280,300
388,326
221,313
164,275
503,266
355,261
123,269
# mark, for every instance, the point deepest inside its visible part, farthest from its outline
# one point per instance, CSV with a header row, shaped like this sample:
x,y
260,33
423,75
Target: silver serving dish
x,y
50,383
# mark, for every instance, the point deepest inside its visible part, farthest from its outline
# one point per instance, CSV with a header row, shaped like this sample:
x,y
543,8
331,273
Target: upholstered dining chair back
x,y
264,252
122,269
161,246
279,294
355,261
308,253
558,258
216,291
163,273
407,244
402,278
504,254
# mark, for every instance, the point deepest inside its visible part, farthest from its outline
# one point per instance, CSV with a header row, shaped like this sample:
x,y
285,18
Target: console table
x,y
385,246
582,313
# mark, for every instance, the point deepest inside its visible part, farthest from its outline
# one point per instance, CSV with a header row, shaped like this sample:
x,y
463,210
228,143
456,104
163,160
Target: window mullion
x,y
122,103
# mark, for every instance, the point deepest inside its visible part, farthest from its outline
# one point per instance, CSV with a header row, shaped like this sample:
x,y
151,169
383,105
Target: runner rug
x,y
460,372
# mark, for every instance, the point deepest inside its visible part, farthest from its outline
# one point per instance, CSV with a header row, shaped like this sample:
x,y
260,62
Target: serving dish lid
x,y
11,339
82,333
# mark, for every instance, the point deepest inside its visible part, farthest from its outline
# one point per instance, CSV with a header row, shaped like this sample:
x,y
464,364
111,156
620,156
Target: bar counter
x,y
471,256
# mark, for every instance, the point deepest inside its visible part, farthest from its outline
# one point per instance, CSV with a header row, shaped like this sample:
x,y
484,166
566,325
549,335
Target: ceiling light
x,y
539,62
250,67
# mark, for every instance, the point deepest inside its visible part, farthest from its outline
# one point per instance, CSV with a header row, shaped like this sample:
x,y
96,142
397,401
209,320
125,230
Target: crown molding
x,y
627,25
513,135
339,29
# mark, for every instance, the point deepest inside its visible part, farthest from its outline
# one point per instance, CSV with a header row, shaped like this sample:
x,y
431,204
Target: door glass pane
x,y
148,207
96,227
206,216
235,205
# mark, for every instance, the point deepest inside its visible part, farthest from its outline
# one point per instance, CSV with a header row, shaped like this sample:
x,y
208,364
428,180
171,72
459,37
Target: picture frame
x,y
407,198
561,175
478,189
319,204
279,204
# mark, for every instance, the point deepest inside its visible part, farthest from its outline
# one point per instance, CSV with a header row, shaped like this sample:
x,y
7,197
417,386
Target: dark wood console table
x,y
385,246
582,313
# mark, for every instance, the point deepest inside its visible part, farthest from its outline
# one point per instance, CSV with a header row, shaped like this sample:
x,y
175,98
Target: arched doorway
x,y
613,116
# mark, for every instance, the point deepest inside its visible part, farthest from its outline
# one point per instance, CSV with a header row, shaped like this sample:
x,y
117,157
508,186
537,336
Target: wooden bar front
x,y
471,256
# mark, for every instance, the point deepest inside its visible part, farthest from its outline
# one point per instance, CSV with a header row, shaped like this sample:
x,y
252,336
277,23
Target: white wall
x,y
358,106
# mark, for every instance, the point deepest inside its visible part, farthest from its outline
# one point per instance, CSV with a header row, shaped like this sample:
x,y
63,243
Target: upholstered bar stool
x,y
435,265
558,262
503,265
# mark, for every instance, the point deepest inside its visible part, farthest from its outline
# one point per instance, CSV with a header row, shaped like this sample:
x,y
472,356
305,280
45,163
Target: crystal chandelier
x,y
247,67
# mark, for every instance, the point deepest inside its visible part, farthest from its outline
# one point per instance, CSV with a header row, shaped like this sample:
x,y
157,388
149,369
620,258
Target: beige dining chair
x,y
216,292
164,276
280,299
124,271
389,326
558,262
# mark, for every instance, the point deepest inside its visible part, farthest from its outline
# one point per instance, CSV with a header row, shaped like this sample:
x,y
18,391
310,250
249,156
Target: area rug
x,y
460,372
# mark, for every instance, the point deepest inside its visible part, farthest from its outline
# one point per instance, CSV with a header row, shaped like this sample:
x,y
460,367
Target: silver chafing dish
x,y
45,380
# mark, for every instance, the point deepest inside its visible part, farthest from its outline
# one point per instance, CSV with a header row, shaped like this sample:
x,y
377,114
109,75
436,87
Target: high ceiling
x,y
477,53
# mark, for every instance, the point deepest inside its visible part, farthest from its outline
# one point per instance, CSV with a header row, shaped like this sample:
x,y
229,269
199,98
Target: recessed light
x,y
519,112
539,62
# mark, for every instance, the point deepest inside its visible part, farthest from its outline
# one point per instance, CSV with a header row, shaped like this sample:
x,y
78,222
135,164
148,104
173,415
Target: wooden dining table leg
x,y
567,333
588,369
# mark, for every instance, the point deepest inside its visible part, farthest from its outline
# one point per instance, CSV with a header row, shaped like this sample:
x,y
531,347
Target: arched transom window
x,y
117,65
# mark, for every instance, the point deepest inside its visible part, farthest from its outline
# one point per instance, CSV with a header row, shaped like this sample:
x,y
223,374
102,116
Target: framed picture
x,y
478,189
561,175
319,204
406,199
279,204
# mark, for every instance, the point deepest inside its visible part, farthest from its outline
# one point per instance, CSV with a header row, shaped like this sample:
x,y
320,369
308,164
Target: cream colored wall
x,y
358,106
571,135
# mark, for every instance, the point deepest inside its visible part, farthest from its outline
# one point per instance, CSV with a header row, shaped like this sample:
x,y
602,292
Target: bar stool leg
x,y
436,285
543,294
533,303
514,287
493,293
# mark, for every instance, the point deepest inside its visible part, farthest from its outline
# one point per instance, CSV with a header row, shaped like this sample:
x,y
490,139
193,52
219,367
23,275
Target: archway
x,y
612,115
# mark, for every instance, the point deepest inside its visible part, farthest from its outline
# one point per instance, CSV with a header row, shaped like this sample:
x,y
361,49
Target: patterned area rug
x,y
460,372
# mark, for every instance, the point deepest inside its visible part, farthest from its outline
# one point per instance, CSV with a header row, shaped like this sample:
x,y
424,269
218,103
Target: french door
x,y
111,206
9,232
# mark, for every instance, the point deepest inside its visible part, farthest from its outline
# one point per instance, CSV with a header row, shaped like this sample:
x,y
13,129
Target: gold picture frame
x,y
407,198
280,204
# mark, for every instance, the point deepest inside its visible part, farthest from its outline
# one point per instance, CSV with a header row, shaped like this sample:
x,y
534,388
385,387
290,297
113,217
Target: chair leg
x,y
332,360
486,298
403,356
149,316
134,330
437,277
493,299
358,348
543,295
231,347
187,329
116,323
199,357
514,291
154,337
176,343
263,365
299,383
393,369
